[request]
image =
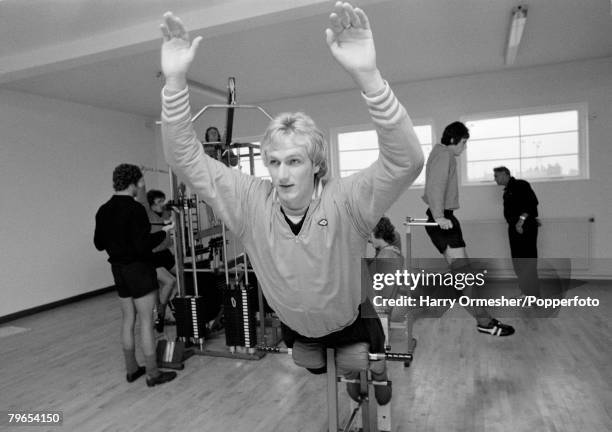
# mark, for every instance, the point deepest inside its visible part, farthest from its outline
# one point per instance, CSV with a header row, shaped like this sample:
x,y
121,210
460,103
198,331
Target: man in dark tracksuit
x,y
521,213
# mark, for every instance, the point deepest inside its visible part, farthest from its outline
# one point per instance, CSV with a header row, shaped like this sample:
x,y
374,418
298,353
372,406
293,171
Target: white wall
x,y
57,158
445,100
56,170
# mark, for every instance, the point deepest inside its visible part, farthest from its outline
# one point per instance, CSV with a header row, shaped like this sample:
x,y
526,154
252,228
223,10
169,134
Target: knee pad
x,y
308,355
379,370
352,357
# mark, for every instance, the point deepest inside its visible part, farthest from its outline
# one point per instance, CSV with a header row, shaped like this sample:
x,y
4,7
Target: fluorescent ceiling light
x,y
517,26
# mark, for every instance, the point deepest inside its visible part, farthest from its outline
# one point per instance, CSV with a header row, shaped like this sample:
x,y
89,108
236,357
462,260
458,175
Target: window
x,y
358,148
536,144
260,169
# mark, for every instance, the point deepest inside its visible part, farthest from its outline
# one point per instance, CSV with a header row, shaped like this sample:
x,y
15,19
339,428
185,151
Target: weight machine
x,y
211,264
373,418
409,223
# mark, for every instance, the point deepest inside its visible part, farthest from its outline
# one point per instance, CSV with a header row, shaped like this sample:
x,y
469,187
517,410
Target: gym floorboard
x,y
553,375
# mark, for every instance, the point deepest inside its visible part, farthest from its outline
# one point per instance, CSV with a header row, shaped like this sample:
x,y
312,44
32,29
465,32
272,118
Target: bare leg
x,y
457,257
167,285
127,337
144,307
127,325
452,254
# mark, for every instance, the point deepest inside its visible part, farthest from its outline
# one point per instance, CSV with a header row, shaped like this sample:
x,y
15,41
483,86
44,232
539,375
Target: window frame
x,y
334,151
583,142
251,139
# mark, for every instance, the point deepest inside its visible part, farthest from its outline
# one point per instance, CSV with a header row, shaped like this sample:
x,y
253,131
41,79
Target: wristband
x,y
521,217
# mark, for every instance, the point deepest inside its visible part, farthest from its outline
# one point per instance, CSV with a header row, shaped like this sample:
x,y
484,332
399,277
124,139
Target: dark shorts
x,y
163,258
134,280
366,328
442,239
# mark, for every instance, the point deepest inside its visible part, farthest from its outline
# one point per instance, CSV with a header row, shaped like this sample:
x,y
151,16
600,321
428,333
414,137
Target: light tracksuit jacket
x,y
311,280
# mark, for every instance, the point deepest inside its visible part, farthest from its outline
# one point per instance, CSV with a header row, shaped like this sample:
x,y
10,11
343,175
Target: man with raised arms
x,y
305,236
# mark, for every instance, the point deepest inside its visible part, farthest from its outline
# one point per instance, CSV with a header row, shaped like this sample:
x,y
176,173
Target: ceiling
x,y
105,53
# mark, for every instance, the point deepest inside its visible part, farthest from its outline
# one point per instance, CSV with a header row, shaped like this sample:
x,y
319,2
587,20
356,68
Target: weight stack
x,y
189,314
239,306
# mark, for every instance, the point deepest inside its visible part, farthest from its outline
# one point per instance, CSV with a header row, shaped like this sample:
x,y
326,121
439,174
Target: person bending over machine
x,y
165,266
387,245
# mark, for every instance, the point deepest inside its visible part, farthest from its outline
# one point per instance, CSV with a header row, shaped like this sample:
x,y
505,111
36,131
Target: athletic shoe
x,y
496,328
131,377
162,378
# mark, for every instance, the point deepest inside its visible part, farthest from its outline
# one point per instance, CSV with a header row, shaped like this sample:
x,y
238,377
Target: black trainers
x,y
131,377
162,378
495,328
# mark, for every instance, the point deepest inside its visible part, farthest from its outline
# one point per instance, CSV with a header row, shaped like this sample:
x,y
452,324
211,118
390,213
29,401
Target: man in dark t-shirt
x,y
123,230
521,213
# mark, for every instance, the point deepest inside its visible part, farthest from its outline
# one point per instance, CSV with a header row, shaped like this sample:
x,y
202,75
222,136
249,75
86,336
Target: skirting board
x,y
44,307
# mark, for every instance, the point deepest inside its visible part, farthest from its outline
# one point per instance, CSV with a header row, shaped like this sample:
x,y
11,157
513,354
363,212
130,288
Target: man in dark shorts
x,y
442,196
123,230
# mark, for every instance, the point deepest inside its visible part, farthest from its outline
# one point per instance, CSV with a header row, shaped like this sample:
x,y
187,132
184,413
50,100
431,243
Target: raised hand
x,y
350,41
177,51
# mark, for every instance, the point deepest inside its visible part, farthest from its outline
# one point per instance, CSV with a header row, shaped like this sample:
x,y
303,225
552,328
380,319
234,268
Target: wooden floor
x,y
554,375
